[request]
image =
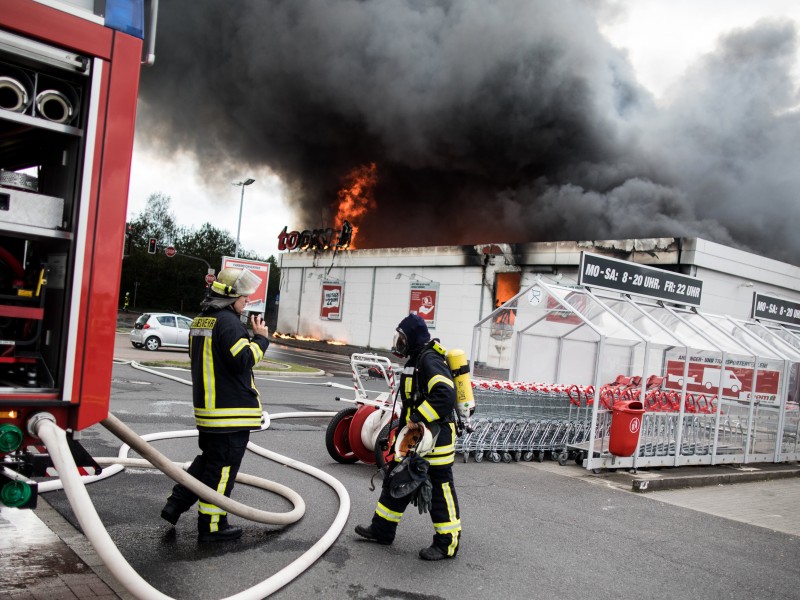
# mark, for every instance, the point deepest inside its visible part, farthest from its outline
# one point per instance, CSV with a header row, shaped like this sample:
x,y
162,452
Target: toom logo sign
x,y
314,239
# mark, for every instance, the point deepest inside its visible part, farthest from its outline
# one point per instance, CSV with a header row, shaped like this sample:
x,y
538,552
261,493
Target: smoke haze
x,y
488,120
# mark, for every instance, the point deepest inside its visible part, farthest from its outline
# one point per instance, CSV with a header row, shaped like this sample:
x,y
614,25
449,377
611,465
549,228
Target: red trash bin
x,y
626,425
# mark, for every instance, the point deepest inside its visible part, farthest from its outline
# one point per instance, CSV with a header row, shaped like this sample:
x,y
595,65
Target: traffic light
x,y
151,247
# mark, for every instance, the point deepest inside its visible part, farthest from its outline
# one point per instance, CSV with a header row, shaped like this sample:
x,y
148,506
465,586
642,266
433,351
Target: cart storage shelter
x,y
715,389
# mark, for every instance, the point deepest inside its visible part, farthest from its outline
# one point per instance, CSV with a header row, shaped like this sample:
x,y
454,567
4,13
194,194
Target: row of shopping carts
x,y
525,421
517,421
657,398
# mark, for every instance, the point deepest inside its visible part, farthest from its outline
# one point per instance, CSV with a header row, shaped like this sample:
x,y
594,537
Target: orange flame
x,y
357,199
303,338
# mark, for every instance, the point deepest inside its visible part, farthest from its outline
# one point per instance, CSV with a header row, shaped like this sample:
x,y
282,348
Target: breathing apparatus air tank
x,y
459,367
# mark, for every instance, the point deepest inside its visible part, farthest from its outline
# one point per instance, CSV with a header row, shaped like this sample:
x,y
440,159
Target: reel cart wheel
x,y
336,436
364,454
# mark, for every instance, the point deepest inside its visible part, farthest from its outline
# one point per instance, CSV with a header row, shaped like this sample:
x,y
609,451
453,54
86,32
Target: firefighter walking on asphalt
x,y
429,396
227,406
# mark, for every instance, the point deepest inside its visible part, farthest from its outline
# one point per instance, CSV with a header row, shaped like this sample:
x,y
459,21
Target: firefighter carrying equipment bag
x,y
410,478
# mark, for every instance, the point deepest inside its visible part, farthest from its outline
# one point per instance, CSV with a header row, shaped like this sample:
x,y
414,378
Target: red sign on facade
x,y
422,301
331,307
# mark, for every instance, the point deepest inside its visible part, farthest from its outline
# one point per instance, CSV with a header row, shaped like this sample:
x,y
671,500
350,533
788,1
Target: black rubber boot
x,y
223,535
171,513
368,533
433,553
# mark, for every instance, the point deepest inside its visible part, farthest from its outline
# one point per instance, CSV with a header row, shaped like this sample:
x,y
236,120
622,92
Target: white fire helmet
x,y
233,282
419,440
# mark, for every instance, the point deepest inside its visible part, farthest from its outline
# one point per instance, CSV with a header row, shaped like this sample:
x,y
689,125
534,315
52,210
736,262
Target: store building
x,y
358,296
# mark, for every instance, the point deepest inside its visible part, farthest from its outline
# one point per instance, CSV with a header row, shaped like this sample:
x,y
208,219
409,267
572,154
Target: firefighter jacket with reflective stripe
x,y
429,396
223,356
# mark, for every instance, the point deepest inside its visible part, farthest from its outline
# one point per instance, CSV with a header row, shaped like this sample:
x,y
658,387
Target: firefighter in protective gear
x,y
428,395
227,406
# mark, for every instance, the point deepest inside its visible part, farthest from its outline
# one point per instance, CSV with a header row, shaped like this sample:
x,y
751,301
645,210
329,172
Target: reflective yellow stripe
x,y
453,527
223,480
258,354
439,450
243,423
409,385
451,505
451,510
252,411
448,527
388,514
428,412
208,374
439,379
215,512
210,509
449,448
239,346
440,460
451,549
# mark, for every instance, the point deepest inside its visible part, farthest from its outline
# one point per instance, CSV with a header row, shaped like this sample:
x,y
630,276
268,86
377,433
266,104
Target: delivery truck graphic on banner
x,y
705,375
709,381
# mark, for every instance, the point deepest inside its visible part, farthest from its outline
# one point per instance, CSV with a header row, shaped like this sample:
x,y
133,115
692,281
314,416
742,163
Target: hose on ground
x,y
55,440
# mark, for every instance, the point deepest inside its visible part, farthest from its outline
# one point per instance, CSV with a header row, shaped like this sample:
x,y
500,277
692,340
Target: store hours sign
x,y
778,310
631,278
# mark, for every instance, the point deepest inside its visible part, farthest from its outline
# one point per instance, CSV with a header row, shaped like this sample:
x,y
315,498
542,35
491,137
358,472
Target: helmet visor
x,y
247,283
400,344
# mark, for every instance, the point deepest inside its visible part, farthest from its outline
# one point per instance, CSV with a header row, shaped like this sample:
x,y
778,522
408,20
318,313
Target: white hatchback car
x,y
154,330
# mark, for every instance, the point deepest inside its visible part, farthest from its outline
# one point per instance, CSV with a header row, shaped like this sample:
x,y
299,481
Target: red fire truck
x,y
69,77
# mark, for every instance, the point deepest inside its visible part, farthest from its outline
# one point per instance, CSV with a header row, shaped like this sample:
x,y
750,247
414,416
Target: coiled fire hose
x,y
43,425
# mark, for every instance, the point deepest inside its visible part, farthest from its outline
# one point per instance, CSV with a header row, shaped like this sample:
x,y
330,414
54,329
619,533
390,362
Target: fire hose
x,y
43,425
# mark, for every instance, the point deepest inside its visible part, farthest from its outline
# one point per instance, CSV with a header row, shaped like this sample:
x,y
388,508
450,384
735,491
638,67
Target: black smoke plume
x,y
488,120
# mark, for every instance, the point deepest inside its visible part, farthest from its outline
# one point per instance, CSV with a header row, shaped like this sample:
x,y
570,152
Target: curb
x,y
690,481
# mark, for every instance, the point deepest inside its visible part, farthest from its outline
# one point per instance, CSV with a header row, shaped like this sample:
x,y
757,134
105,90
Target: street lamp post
x,y
241,204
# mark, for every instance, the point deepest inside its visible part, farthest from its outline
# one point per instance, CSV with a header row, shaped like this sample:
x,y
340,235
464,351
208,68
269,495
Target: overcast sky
x,y
661,38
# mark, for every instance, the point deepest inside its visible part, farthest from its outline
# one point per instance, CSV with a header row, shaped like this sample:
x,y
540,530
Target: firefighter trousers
x,y
217,466
444,511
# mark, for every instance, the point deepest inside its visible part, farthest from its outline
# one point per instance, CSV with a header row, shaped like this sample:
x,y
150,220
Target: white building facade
x,y
358,296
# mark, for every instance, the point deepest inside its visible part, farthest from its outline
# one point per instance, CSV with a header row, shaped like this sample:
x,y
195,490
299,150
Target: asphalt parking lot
x,y
531,530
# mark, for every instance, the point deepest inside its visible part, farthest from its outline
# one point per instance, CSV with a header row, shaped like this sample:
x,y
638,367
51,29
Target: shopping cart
x,y
525,421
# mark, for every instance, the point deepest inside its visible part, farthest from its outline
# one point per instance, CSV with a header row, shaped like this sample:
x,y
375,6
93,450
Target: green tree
x,y
161,283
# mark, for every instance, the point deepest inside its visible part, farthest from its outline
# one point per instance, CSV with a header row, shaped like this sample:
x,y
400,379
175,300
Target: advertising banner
x,y
705,374
422,301
331,305
256,302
